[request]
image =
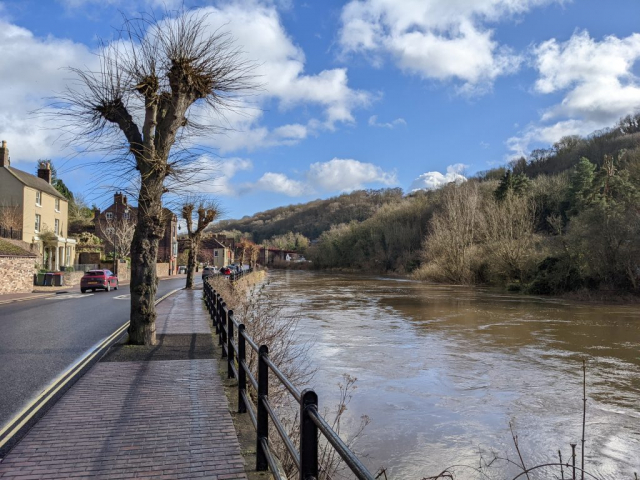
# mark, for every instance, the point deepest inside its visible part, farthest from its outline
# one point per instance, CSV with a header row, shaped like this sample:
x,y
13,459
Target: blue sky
x,y
356,94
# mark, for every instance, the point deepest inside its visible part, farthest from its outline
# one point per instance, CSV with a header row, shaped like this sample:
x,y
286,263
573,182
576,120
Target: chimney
x,y
119,199
4,155
96,213
45,172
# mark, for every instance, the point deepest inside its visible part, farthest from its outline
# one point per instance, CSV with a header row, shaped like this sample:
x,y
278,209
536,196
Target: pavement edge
x,y
12,432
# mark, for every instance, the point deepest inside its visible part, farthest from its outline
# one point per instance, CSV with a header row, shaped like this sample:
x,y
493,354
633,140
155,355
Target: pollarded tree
x,y
242,249
201,212
254,254
142,106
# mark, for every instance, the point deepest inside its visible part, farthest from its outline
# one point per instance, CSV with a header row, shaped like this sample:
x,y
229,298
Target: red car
x,y
98,279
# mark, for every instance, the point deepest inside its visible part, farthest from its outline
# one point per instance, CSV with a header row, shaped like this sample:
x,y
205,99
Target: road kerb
x,y
22,299
45,400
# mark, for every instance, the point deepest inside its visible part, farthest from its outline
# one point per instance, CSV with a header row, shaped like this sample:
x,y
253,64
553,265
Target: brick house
x,y
33,211
122,211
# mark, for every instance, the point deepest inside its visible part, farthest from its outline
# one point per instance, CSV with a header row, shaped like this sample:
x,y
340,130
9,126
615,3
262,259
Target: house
x,y
115,220
215,251
33,211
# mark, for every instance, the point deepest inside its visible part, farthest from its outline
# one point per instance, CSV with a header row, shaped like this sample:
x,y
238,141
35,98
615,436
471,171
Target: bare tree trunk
x,y
144,255
191,262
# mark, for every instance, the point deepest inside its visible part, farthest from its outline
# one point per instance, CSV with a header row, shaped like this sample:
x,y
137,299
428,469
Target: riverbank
x,y
581,296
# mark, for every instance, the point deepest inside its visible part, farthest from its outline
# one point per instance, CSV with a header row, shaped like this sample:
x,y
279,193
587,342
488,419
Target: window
x,y
125,215
109,215
38,198
215,253
56,227
111,231
57,204
37,222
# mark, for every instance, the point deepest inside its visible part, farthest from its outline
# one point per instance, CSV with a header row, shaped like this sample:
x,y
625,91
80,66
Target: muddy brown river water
x,y
443,370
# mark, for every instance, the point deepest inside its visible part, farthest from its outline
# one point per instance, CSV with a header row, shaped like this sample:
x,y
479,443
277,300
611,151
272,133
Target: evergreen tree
x,y
581,186
506,184
516,184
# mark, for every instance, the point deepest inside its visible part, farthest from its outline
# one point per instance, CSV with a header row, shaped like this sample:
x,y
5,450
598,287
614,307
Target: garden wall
x,y
16,274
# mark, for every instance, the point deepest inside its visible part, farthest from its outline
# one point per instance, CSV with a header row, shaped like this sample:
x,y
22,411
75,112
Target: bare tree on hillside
x,y
202,212
450,244
152,93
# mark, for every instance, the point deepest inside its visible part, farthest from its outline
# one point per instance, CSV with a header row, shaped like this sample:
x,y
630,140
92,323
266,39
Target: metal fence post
x,y
218,317
230,351
223,323
308,437
242,375
263,416
212,306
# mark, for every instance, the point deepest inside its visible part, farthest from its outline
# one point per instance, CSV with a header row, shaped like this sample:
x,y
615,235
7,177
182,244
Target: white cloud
x,y
33,69
279,183
36,70
337,175
597,80
216,175
347,174
434,180
435,39
137,5
373,122
280,69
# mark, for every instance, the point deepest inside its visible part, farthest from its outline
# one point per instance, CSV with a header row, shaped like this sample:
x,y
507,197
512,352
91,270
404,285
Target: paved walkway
x,y
138,419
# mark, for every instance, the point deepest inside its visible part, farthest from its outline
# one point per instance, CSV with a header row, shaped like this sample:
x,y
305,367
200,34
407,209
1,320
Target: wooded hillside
x,y
313,218
564,218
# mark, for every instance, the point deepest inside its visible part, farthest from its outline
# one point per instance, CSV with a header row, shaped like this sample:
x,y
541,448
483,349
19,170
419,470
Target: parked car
x,y
228,270
182,269
209,272
98,280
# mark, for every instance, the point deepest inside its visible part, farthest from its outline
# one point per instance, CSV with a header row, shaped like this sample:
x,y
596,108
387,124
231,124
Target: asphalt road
x,y
40,338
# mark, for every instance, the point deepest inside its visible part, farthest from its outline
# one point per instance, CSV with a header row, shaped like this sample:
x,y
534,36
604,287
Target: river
x,y
443,370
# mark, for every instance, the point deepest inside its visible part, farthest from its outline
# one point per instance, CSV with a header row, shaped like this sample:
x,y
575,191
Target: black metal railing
x,y
12,233
311,422
234,275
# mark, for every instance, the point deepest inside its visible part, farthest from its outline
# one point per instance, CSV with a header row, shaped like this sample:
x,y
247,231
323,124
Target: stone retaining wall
x,y
16,274
72,278
162,269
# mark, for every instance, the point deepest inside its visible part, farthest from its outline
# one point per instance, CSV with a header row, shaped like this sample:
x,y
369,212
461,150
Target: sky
x,y
353,94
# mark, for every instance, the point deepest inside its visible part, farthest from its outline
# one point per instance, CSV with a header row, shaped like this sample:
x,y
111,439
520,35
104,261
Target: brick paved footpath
x,y
142,412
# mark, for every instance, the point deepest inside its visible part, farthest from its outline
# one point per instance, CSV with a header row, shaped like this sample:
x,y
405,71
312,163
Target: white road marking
x,y
126,296
70,296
